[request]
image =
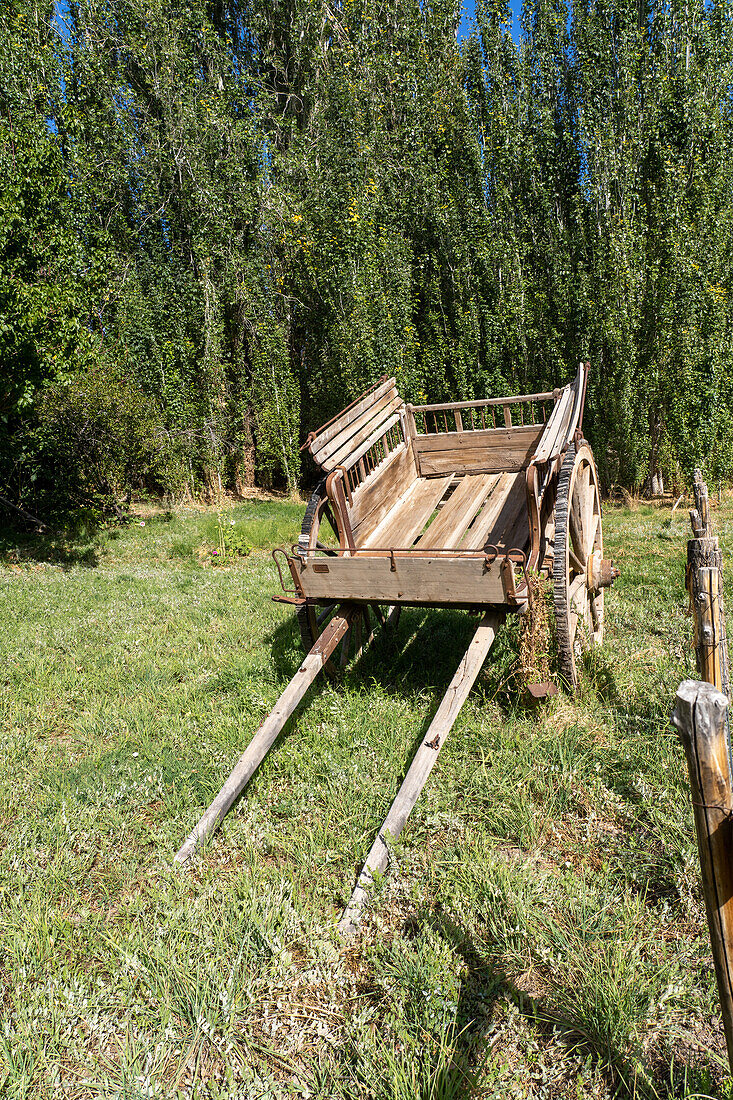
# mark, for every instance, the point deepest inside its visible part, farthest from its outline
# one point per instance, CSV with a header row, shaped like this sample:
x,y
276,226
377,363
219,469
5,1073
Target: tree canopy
x,y
222,219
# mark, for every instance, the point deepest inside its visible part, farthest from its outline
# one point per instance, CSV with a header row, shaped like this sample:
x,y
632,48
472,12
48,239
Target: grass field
x,y
543,935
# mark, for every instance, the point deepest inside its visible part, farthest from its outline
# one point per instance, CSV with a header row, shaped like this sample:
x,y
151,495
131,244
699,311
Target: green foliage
x,y
250,211
100,438
231,541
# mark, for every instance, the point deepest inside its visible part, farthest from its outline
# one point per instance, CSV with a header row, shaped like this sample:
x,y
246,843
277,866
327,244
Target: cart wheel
x,y
319,532
578,544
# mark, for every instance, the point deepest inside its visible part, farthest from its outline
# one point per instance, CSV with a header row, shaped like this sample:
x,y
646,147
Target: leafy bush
x,y
102,439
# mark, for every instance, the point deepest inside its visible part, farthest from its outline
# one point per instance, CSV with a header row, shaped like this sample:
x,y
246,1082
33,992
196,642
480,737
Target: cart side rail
x,y
566,419
352,436
494,434
483,414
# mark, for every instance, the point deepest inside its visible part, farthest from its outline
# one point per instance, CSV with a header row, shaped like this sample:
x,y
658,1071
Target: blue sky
x,y
469,7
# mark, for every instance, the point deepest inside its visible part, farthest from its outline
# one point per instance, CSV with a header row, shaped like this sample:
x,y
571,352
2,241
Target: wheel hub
x,y
599,572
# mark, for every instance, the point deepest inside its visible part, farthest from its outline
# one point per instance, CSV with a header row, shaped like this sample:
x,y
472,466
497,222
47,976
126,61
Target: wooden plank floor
x,y
482,508
405,521
451,522
503,520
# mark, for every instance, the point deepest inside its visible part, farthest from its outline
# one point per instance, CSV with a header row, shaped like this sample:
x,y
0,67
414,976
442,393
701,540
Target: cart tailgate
x,y
410,579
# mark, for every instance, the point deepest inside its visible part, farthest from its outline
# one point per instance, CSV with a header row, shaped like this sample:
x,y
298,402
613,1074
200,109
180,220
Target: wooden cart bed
x,y
427,503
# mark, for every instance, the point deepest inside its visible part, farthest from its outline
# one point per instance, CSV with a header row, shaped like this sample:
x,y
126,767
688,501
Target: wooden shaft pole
x,y
422,764
700,717
266,735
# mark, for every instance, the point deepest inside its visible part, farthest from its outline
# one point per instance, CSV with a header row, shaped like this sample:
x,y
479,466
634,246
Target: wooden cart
x,y
452,505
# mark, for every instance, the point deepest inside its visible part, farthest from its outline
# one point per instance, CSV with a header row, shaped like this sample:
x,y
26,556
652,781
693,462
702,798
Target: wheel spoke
x,y
587,515
576,534
575,562
577,586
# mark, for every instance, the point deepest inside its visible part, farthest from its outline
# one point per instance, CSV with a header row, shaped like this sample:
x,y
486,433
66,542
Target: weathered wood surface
x,y
700,717
421,766
490,450
700,514
556,428
266,735
709,623
498,511
410,513
357,434
380,431
438,580
516,399
449,526
340,423
564,421
705,586
380,491
328,442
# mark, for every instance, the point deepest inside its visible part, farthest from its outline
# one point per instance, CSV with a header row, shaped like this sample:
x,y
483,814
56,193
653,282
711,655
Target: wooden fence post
x,y
700,718
705,585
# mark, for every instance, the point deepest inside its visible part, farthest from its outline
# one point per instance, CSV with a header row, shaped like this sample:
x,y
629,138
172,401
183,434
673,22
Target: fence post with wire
x,y
701,718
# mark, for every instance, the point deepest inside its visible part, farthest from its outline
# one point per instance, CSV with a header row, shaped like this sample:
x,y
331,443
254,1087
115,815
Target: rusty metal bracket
x,y
491,553
392,562
345,481
297,601
507,579
292,592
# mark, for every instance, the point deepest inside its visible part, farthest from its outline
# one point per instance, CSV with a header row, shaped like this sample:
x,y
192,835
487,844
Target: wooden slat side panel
x,y
350,414
450,524
499,512
463,460
379,431
438,579
379,493
490,451
546,446
410,514
357,430
516,399
488,439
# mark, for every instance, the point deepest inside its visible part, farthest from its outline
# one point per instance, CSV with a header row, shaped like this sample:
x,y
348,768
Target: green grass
x,y
543,935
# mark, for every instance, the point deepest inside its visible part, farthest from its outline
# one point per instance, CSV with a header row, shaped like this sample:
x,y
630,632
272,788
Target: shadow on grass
x,y
66,552
420,654
675,1071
